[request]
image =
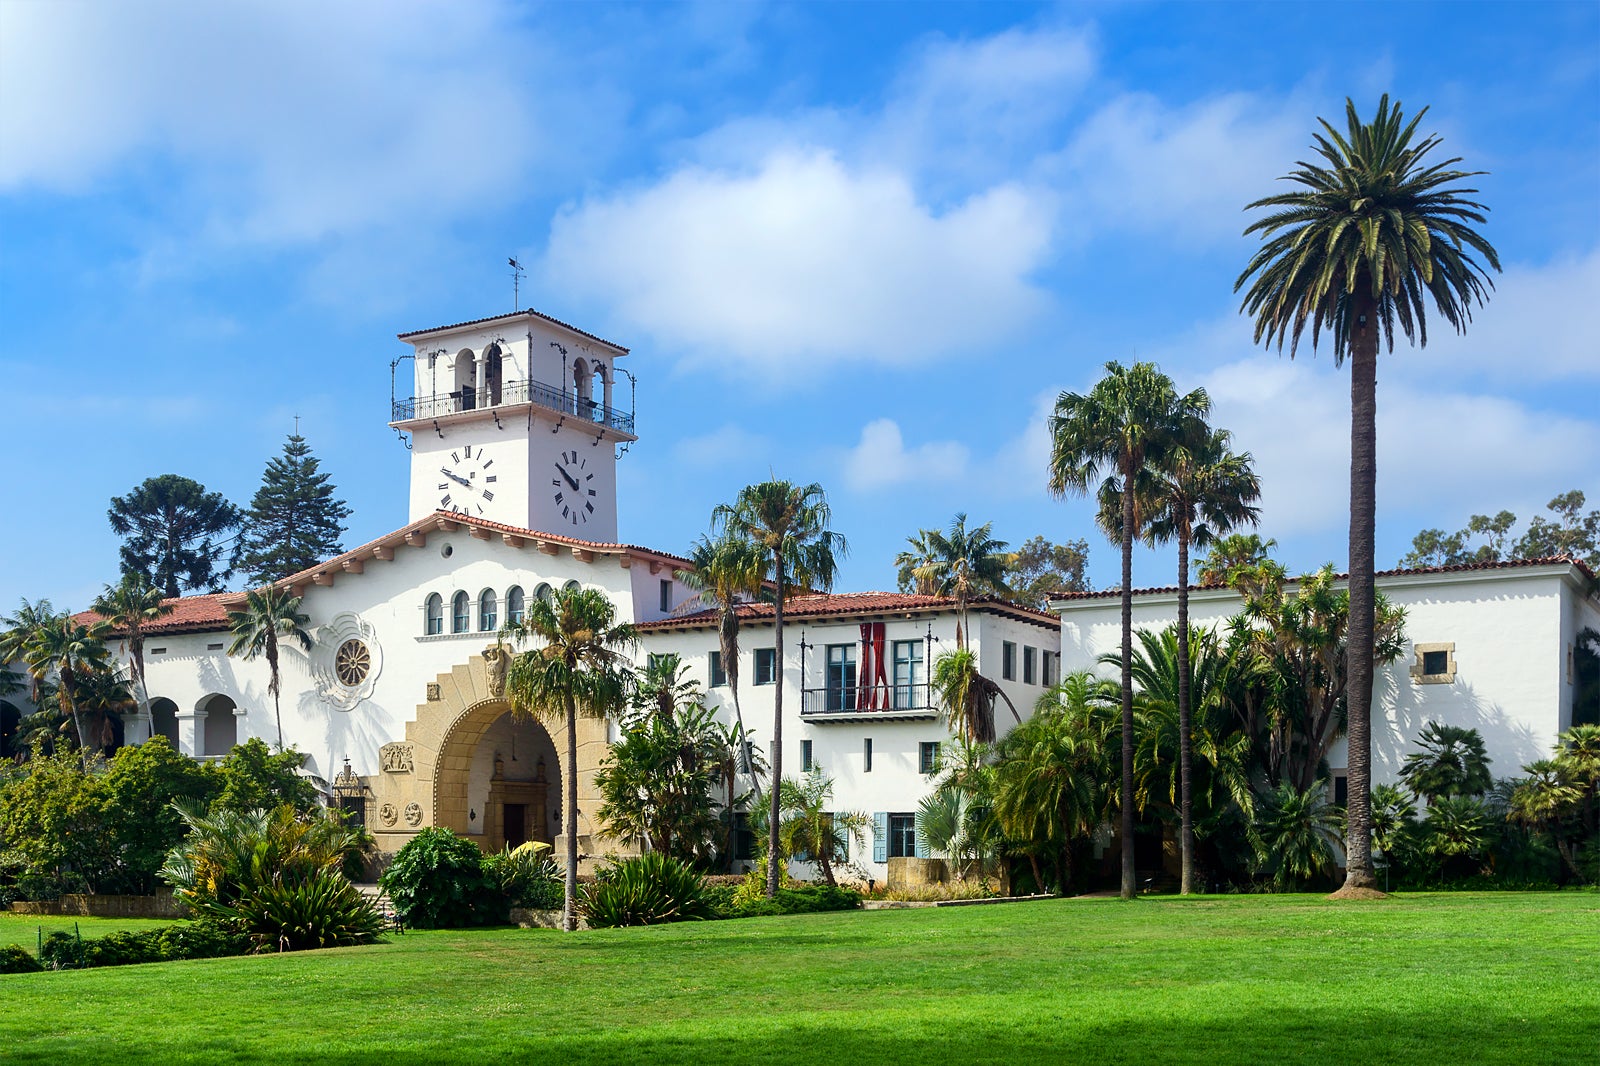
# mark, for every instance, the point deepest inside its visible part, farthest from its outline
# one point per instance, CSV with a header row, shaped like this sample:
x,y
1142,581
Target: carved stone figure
x,y
496,659
413,814
395,758
387,814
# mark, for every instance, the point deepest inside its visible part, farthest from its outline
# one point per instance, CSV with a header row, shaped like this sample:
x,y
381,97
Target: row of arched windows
x,y
488,614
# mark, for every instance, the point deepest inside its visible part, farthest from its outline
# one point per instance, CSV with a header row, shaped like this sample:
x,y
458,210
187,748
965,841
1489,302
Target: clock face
x,y
573,488
467,481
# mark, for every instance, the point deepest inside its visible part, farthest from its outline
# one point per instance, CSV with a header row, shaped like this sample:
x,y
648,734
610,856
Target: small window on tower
x,y
666,596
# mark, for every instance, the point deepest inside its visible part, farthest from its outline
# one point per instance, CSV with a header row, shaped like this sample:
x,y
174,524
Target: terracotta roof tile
x,y
190,614
1505,564
836,604
515,314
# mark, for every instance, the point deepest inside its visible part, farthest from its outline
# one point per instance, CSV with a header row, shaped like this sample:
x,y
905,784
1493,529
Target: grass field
x,y
1449,978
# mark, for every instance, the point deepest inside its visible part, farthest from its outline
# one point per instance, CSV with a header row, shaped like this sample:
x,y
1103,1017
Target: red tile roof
x,y
514,314
1504,564
190,614
837,604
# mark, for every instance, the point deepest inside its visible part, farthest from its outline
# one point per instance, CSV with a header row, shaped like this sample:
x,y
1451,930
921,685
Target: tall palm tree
x,y
271,617
1374,231
1202,491
580,666
129,607
728,570
101,694
71,651
790,524
968,697
966,562
1114,435
915,567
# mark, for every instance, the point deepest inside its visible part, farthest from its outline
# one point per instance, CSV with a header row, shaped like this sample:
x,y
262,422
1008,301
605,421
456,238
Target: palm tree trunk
x,y
1185,752
569,917
1359,872
1127,685
1038,876
272,667
776,762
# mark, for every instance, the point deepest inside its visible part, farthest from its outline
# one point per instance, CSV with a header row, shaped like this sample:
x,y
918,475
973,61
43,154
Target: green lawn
x,y
24,928
1450,978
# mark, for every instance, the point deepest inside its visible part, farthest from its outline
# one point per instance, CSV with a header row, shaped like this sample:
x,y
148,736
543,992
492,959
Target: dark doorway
x,y
516,823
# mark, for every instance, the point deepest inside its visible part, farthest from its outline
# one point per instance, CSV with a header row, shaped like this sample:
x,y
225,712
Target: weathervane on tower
x,y
517,274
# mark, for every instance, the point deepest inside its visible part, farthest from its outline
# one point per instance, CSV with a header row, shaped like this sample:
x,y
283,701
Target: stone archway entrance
x,y
444,773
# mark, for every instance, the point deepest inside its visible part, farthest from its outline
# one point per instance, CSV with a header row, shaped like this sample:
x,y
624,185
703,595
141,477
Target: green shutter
x,y
922,841
880,837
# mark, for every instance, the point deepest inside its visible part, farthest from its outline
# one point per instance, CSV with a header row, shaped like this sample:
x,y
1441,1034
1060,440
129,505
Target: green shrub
x,y
14,958
62,951
322,911
797,898
437,881
528,877
192,940
649,889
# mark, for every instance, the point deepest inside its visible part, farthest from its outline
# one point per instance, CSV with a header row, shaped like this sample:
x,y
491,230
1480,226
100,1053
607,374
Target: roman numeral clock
x,y
514,420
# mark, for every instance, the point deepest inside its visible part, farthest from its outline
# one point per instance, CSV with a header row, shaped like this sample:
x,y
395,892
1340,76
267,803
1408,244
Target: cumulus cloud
x,y
881,460
285,122
802,261
1440,452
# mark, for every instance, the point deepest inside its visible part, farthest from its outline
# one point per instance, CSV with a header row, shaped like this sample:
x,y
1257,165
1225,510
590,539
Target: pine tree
x,y
294,521
176,535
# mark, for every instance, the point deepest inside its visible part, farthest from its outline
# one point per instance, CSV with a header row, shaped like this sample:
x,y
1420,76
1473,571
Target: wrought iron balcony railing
x,y
835,699
512,392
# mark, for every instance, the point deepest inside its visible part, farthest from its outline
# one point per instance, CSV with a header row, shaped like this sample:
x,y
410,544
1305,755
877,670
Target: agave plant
x,y
321,910
649,889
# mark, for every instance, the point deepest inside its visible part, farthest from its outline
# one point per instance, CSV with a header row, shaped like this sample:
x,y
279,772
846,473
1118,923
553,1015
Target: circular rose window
x,y
351,663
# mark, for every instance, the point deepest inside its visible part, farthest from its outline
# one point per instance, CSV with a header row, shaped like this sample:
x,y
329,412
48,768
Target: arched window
x,y
571,586
544,592
461,613
466,372
221,729
486,615
492,359
435,613
514,606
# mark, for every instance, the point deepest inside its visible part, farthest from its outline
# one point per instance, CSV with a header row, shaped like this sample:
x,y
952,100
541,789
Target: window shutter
x,y
880,837
922,841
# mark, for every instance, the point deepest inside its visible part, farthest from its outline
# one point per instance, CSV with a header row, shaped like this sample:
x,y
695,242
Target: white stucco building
x,y
1490,647
515,430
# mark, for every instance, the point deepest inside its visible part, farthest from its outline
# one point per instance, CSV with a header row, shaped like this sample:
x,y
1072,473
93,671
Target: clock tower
x,y
515,419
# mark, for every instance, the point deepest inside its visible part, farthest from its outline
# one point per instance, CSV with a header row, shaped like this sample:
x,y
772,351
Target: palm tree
x,y
130,606
965,562
1202,491
663,688
72,651
790,524
1452,762
914,567
581,666
727,570
1232,554
271,616
968,697
101,694
812,829
1372,233
1295,833
1114,435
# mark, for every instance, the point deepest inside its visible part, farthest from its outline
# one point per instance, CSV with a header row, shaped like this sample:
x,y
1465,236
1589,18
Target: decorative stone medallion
x,y
347,661
413,814
396,758
387,814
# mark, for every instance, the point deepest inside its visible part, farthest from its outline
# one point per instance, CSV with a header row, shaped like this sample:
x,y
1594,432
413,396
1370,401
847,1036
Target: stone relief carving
x,y
335,690
435,694
387,814
396,758
497,658
413,814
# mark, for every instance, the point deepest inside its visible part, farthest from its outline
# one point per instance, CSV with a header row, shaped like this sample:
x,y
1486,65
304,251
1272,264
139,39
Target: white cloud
x,y
1440,453
801,261
729,445
287,121
880,460
1180,173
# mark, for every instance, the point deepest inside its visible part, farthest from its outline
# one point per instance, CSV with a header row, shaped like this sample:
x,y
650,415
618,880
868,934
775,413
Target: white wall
x,y
1507,626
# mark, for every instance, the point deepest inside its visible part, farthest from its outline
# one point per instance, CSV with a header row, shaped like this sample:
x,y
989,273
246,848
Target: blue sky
x,y
865,245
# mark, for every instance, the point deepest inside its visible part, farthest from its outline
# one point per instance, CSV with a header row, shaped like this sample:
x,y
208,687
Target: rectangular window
x,y
213,647
747,758
1341,789
928,757
766,666
1030,673
902,836
653,660
840,684
719,676
744,841
1008,661
908,676
1435,662
866,755
666,596
1049,663
805,757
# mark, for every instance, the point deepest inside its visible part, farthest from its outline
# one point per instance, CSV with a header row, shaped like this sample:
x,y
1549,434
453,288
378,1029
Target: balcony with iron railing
x,y
511,394
852,703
